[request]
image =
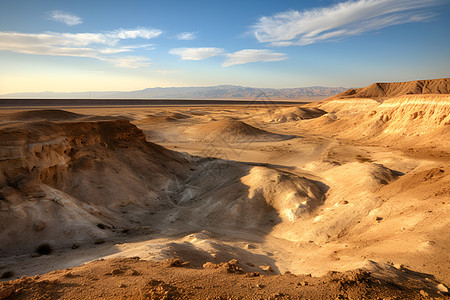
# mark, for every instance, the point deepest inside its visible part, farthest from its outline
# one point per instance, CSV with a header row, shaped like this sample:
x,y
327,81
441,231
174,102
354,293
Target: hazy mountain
x,y
211,92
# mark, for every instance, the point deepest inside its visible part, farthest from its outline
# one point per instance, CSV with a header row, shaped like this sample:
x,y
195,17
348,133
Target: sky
x,y
109,45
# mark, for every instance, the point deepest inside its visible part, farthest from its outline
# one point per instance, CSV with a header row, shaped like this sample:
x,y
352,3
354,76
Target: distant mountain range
x,y
211,92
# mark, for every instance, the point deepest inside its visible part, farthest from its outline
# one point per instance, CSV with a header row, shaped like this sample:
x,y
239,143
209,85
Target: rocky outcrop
x,y
395,89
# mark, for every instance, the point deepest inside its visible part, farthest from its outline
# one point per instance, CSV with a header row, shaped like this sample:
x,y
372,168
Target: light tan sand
x,y
337,194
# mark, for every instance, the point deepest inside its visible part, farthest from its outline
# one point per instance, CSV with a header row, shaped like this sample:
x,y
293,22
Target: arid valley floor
x,y
345,198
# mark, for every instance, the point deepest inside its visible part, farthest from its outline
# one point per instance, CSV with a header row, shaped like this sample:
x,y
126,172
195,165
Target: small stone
x,y
267,268
122,285
38,226
250,246
442,288
259,285
102,226
423,293
6,292
277,295
175,262
116,271
210,265
232,266
7,191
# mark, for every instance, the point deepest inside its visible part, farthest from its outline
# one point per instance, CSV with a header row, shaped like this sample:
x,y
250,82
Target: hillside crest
x,y
395,89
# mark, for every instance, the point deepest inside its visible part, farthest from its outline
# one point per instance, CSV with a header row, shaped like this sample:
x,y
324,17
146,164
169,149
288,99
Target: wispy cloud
x,y
64,17
128,61
252,55
187,36
144,33
339,21
166,72
235,58
196,53
103,46
113,50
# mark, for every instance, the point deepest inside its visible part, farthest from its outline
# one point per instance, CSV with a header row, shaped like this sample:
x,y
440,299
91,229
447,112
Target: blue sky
x,y
128,45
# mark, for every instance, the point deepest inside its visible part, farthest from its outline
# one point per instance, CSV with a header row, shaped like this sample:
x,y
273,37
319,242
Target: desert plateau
x,y
344,198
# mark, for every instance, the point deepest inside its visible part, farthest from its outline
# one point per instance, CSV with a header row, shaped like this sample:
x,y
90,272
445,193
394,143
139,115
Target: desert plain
x,y
345,198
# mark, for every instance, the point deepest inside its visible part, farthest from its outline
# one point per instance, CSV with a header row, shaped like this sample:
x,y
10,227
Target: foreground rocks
x,y
133,278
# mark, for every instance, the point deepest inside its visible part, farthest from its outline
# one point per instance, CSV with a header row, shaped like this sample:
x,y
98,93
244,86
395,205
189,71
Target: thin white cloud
x,y
143,46
187,36
110,38
128,61
113,50
144,33
252,55
103,46
339,21
196,53
167,72
64,17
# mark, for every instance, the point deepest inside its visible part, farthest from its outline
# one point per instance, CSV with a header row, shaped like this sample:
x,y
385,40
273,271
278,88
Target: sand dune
x,y
253,197
44,114
230,130
54,115
155,119
295,114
